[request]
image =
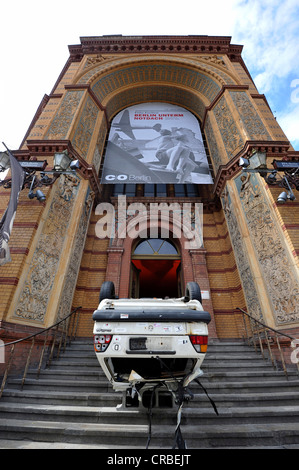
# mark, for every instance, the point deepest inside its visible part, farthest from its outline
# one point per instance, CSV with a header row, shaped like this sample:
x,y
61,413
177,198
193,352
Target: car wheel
x,y
193,292
107,290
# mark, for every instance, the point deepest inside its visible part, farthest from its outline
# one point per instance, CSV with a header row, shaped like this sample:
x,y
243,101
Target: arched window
x,y
155,247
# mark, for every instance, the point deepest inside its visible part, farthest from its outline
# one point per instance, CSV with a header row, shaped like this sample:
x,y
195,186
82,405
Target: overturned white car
x,y
141,343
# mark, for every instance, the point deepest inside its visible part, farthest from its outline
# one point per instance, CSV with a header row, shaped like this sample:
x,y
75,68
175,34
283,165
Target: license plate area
x,y
150,343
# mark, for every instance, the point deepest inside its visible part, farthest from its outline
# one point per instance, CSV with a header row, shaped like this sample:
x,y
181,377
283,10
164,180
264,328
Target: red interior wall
x,y
157,278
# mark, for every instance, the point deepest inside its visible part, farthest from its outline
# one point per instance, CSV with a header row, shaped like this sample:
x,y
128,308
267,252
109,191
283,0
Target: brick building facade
x,y
249,257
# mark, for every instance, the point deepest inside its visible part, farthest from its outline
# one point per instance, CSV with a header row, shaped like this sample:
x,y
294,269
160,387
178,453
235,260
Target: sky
x,y
34,39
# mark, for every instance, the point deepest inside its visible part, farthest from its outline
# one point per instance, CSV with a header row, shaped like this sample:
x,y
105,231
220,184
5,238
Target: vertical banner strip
x,y
6,223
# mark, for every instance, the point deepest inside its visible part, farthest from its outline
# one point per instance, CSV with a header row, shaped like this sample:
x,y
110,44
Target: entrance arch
x,y
155,269
195,83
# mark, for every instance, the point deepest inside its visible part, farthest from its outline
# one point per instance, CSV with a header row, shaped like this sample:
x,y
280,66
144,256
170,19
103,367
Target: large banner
x,y
155,143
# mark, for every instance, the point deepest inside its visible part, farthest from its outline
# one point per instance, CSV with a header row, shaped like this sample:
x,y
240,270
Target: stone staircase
x,y
72,405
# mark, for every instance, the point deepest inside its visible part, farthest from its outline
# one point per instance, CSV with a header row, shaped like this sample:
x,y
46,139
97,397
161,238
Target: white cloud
x,y
269,30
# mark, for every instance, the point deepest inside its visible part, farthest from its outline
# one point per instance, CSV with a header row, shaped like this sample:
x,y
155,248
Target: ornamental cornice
x,y
273,149
118,44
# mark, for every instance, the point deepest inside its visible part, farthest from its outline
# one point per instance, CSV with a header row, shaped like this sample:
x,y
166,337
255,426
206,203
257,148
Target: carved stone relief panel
x,y
241,257
65,115
96,161
214,59
253,124
279,276
36,291
85,127
94,60
231,136
215,152
70,279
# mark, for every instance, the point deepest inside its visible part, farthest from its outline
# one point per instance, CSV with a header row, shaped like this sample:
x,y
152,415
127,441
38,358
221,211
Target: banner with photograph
x,y
155,143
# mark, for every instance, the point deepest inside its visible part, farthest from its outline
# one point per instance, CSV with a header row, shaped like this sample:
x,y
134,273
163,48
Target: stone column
x,y
269,276
49,276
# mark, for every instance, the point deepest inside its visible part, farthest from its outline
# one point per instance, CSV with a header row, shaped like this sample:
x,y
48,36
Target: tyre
x,y
193,292
107,291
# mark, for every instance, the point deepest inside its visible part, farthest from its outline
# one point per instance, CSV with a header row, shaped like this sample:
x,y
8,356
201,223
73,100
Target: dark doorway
x,y
155,269
157,278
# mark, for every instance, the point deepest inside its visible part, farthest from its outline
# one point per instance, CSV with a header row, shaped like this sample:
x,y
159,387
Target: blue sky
x,y
269,31
35,36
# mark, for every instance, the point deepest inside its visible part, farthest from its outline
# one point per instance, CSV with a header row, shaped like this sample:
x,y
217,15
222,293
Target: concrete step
x,y
62,385
132,435
70,374
211,362
241,376
65,383
61,398
258,399
217,376
252,386
199,400
68,364
40,445
111,415
86,433
243,435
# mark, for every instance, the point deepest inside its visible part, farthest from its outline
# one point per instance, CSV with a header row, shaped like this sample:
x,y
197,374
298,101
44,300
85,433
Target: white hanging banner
x,y
155,143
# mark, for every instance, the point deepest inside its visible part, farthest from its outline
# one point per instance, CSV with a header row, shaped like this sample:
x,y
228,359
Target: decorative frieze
x,y
213,145
241,257
96,161
278,274
70,278
36,291
250,118
231,136
65,115
85,127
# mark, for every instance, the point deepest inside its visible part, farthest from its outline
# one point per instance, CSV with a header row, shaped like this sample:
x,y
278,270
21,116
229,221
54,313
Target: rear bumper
x,y
147,314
